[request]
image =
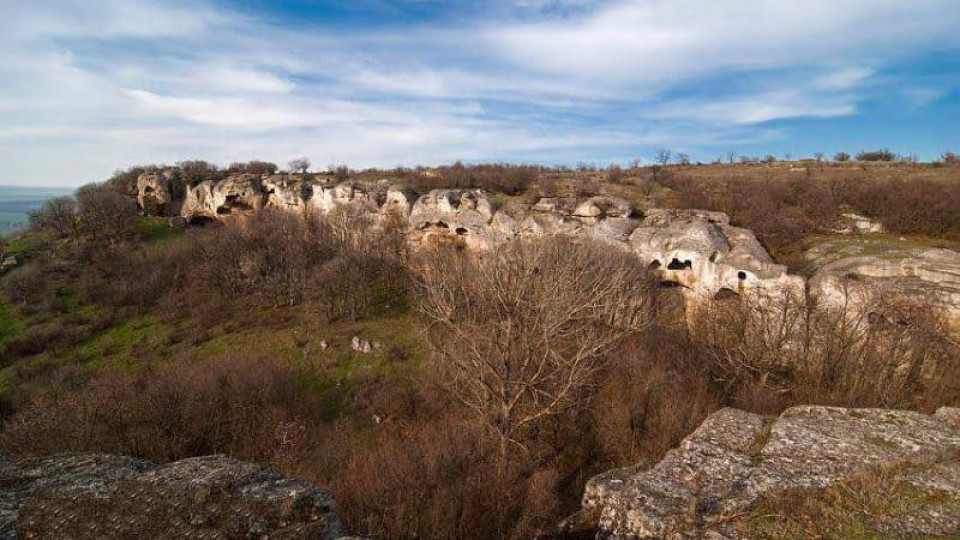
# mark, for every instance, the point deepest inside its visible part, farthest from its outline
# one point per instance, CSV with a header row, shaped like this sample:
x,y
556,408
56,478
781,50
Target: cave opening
x,y
676,264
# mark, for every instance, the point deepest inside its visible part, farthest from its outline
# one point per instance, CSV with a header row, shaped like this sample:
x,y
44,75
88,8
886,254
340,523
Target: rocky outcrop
x,y
159,193
98,496
708,485
701,252
698,251
287,191
327,199
930,277
857,224
454,215
236,195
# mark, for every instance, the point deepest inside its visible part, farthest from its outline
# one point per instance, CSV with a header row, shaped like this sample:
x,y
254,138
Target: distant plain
x,y
16,201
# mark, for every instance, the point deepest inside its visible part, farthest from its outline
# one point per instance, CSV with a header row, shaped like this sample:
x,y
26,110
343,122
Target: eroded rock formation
x,y
930,277
703,253
100,497
238,194
158,193
699,252
706,486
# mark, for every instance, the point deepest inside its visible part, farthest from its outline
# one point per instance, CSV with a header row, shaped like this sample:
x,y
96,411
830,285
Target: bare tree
x,y
300,165
103,212
58,214
683,159
522,335
663,156
732,157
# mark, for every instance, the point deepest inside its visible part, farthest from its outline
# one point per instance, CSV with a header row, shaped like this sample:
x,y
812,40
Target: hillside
x,y
456,352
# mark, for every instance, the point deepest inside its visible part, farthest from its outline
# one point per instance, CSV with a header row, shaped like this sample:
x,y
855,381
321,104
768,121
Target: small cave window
x,y
741,275
442,225
655,265
676,264
148,189
714,256
461,231
232,203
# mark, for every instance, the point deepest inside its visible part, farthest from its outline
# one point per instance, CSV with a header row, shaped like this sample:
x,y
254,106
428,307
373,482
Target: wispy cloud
x,y
90,86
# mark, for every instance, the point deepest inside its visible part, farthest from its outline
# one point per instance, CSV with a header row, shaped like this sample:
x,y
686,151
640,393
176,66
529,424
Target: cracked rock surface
x,y
99,496
735,458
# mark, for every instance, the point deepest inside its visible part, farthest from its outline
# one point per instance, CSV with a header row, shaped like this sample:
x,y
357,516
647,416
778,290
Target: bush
x,y
256,167
251,409
877,155
502,178
103,212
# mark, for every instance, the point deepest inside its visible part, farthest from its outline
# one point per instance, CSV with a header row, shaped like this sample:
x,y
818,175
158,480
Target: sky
x,y
91,86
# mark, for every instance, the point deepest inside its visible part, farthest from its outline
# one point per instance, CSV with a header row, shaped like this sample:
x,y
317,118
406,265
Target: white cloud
x,y
92,86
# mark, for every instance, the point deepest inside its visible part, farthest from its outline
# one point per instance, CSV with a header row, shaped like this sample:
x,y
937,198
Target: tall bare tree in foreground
x,y
522,334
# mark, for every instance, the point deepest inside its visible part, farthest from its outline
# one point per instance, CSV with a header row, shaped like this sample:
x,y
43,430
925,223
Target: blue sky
x,y
94,85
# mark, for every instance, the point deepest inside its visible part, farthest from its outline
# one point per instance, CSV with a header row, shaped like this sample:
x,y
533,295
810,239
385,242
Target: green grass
x,y
128,345
156,229
10,322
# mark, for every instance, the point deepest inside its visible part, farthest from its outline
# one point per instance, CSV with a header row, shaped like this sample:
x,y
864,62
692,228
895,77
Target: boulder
x,y
326,199
930,277
9,262
734,459
157,193
98,496
398,202
235,196
596,208
287,191
701,252
857,224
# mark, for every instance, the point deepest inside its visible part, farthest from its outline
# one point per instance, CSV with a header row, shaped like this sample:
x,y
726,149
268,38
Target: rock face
x,y
451,214
735,458
698,251
287,191
930,276
703,253
157,193
857,224
97,496
236,195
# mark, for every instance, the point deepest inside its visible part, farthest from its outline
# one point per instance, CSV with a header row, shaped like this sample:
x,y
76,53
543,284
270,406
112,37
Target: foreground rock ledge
x,y
99,496
703,487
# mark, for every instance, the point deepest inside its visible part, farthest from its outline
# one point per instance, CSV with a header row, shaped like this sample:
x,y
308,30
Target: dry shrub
x,y
132,275
426,480
767,354
496,177
659,392
524,335
254,410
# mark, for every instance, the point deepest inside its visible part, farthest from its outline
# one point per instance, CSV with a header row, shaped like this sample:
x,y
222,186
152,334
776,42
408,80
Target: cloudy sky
x,y
89,86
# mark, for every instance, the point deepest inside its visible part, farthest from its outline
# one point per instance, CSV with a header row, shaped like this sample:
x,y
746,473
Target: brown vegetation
x,y
557,349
